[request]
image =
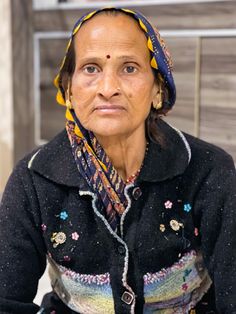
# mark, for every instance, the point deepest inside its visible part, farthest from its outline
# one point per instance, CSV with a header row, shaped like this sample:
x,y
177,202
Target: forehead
x,y
109,32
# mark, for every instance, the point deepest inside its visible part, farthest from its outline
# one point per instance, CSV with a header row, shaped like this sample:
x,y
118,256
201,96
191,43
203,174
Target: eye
x,y
90,69
130,69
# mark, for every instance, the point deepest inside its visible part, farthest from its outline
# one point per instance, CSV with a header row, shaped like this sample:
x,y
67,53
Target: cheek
x,y
140,86
146,93
82,83
82,91
141,96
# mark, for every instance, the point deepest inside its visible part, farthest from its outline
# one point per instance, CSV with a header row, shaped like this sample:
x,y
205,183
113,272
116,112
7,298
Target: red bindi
x,y
108,56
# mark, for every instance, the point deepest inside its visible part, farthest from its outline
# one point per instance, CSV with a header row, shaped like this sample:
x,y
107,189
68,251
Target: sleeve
x,y
217,207
22,253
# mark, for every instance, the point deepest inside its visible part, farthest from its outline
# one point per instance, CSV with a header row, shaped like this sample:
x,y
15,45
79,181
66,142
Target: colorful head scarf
x,y
92,162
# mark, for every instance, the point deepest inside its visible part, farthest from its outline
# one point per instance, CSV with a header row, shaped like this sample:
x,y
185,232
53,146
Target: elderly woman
x,y
133,215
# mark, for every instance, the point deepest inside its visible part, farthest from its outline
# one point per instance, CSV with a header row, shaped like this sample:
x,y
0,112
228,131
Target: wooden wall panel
x,y
218,92
52,115
176,16
183,51
194,15
22,65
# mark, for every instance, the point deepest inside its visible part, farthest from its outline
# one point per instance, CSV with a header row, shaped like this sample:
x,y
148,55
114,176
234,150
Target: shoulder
x,y
41,157
208,155
59,143
54,162
48,151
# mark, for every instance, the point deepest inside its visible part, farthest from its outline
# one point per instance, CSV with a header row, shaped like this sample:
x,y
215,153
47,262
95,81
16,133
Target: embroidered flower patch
x,y
63,215
175,225
75,236
66,258
43,227
58,238
162,228
187,207
168,204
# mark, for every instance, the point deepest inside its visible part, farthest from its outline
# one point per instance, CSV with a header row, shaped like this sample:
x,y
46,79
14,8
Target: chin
x,y
110,128
108,132
111,131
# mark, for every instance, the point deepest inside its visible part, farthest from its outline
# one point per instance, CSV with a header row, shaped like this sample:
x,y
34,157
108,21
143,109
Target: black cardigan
x,y
47,181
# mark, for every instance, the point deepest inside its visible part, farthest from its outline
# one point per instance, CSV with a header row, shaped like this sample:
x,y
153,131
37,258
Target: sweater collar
x,y
56,162
167,160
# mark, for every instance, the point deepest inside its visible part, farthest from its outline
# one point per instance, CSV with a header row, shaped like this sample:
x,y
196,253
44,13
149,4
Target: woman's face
x,y
113,84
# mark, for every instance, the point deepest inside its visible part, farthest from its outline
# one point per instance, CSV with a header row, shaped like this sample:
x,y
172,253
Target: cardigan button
x,y
121,249
127,297
136,193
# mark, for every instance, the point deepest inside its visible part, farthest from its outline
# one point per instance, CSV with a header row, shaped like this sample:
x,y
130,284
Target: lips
x,y
108,108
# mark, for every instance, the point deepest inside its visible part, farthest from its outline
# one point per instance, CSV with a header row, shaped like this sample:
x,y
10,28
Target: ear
x,y
68,95
158,97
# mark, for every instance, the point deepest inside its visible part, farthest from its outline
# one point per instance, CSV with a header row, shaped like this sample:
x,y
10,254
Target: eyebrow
x,y
128,57
97,59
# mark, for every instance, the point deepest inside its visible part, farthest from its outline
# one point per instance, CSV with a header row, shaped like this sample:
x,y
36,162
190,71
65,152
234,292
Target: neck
x,y
126,153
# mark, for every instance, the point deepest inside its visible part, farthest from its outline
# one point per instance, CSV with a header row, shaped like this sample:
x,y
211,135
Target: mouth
x,y
108,108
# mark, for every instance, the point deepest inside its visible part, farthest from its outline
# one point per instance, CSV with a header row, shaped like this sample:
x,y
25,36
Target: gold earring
x,y
68,104
68,97
157,101
156,104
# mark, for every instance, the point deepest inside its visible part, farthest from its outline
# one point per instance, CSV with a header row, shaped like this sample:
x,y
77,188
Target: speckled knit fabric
x,y
183,202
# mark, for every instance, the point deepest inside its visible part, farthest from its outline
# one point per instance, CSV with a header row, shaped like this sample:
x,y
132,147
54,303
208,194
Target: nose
x,y
109,85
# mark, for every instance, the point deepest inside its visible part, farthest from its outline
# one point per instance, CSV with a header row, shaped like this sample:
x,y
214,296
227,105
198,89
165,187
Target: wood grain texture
x,y
218,126
22,43
183,51
52,114
218,92
176,16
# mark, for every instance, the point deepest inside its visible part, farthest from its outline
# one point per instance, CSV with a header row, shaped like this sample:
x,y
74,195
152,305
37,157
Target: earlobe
x,y
158,99
68,96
